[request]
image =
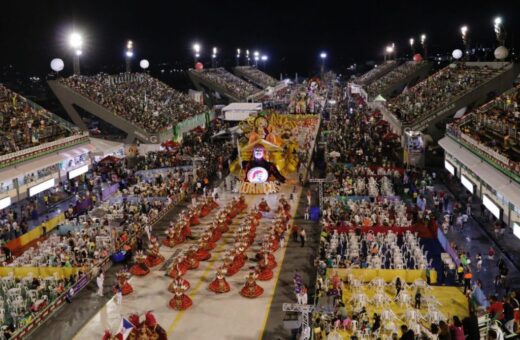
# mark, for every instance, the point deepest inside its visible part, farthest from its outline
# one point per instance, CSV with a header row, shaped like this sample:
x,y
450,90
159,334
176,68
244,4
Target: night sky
x,y
292,33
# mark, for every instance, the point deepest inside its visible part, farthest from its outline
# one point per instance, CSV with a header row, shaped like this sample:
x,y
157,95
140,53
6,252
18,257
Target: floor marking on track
x,y
268,308
202,279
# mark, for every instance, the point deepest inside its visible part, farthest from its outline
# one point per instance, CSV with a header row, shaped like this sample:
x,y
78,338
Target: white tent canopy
x,y
380,98
240,111
103,147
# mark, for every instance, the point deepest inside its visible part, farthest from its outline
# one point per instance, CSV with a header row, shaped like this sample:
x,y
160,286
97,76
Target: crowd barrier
x,y
367,275
35,233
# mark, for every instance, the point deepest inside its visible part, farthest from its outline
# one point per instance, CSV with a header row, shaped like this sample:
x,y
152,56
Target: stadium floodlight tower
x,y
323,56
264,59
425,48
214,57
388,52
238,57
129,53
256,55
465,39
500,31
76,42
412,46
247,57
196,52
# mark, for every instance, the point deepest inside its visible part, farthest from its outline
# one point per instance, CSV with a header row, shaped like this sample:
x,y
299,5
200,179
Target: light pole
x,y
323,56
238,57
214,57
129,54
412,46
196,52
264,59
76,42
389,50
425,48
247,57
465,39
256,54
500,31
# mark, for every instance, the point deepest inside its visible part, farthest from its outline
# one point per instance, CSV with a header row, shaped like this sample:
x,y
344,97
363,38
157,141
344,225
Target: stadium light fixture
x,y
500,31
196,49
423,38
323,55
412,41
76,42
129,54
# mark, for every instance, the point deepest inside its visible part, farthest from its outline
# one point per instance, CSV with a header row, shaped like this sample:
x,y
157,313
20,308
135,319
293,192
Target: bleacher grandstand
x,y
392,83
25,125
376,73
223,82
255,76
140,105
455,87
492,131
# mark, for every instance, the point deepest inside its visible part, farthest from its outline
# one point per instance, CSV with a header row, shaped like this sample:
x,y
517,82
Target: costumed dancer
x,y
122,278
219,284
251,289
180,301
154,258
139,268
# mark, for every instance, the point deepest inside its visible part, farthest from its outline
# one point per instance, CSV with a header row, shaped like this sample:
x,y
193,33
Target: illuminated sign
x,y
79,171
257,175
41,187
467,183
516,229
491,206
5,202
449,167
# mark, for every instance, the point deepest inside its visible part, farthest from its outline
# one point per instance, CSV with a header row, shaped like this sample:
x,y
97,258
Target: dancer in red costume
x,y
202,254
263,271
139,268
222,224
180,301
251,289
192,261
154,258
241,204
219,284
212,203
208,243
179,267
194,217
122,278
179,280
173,236
215,233
263,206
229,264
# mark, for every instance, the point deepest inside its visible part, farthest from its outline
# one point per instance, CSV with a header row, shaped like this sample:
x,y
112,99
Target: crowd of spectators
x,y
438,90
397,74
236,86
24,125
375,73
257,76
495,126
139,98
